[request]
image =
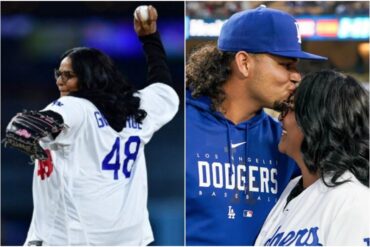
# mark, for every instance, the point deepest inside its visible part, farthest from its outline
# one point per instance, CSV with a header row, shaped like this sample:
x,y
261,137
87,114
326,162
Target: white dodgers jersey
x,y
93,188
320,216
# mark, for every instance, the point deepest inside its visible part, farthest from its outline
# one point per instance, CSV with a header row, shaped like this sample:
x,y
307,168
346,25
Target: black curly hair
x,y
207,70
332,109
100,82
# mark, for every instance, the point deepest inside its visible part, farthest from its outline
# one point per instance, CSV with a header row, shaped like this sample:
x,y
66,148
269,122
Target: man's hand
x,y
145,20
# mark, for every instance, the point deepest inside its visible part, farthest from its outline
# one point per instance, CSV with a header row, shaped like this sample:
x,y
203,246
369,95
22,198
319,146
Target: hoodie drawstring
x,y
246,157
230,150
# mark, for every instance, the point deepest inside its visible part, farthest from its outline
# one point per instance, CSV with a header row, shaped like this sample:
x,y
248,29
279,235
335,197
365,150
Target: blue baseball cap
x,y
263,30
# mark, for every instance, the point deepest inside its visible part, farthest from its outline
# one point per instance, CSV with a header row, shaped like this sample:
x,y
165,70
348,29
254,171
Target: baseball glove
x,y
26,129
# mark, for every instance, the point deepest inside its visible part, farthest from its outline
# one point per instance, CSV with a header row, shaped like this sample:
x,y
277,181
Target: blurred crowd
x,y
223,9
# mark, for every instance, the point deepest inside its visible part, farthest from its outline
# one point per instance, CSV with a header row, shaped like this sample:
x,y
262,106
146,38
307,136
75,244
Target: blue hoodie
x,y
234,174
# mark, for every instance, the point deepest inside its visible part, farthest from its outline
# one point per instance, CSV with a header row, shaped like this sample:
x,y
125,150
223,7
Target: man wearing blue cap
x,y
235,173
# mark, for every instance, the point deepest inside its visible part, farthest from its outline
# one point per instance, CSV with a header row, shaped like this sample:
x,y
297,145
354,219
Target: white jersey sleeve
x,y
160,103
351,225
73,116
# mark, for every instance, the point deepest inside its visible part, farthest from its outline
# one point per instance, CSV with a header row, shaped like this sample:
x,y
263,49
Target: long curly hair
x,y
332,110
100,82
207,70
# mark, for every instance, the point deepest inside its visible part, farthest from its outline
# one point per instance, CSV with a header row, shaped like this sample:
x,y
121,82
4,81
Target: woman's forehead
x,y
66,62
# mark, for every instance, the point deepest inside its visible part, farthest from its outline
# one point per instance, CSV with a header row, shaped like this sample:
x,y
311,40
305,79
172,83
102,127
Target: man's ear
x,y
243,62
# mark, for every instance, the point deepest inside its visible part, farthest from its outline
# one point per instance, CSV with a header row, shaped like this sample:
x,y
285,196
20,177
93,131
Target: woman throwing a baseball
x,y
326,131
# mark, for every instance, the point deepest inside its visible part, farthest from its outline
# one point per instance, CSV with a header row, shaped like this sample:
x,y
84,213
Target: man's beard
x,y
279,105
283,104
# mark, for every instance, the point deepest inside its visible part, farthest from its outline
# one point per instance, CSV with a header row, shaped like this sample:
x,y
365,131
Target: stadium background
x,y
33,37
338,30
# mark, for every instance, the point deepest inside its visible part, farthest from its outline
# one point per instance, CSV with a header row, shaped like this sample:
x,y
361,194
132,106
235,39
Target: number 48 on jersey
x,y
112,160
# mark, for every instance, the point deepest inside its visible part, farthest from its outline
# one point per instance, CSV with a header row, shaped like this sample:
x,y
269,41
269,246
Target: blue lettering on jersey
x,y
112,160
131,123
131,154
302,237
102,122
57,103
367,241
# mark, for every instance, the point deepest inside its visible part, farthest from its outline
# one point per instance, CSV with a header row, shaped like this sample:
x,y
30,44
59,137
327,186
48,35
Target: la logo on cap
x,y
298,33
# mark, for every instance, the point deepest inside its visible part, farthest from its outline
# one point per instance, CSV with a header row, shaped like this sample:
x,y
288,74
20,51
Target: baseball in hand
x,y
145,20
143,11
